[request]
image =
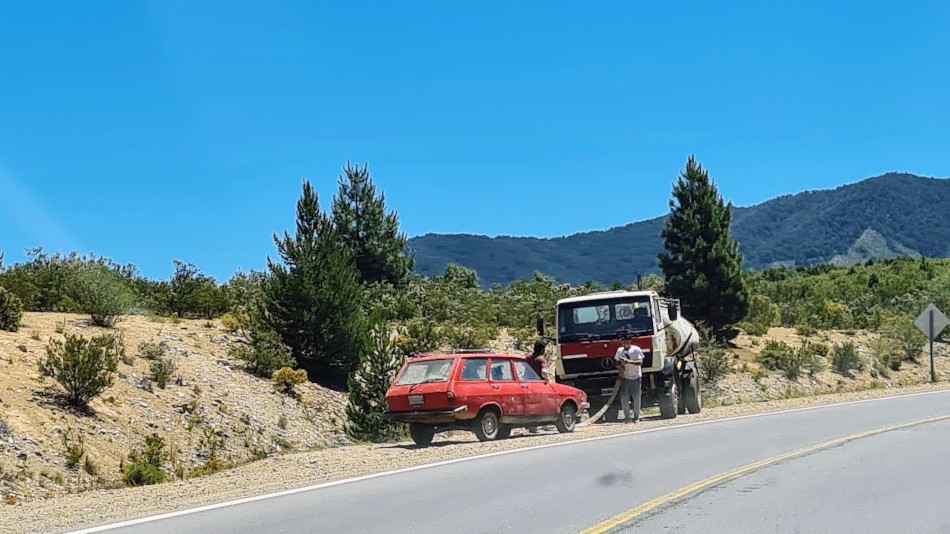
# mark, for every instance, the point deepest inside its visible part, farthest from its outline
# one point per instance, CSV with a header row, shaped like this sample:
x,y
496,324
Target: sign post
x,y
931,322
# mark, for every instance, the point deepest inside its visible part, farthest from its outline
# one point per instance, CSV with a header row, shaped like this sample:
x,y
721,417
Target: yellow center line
x,y
631,515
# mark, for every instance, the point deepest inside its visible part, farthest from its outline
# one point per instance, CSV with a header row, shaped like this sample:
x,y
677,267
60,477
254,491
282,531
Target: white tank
x,y
681,336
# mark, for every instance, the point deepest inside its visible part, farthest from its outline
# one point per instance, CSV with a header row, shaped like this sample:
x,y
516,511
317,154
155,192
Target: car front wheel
x,y
421,434
567,419
487,425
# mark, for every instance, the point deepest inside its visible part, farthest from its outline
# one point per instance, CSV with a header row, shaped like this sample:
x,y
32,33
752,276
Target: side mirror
x,y
540,327
674,312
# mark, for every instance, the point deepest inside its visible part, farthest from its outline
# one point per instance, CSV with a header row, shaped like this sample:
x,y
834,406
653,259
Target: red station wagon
x,y
488,394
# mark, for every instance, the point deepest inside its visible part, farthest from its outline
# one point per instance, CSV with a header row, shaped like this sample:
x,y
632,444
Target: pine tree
x,y
703,266
371,234
313,299
368,386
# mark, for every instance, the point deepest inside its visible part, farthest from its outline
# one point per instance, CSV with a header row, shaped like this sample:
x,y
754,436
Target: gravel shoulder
x,y
304,469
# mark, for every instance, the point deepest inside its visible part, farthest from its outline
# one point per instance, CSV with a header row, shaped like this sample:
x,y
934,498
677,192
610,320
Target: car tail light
x,y
451,398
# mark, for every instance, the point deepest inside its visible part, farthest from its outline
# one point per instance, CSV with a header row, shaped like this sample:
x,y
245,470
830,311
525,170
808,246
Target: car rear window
x,y
475,370
431,371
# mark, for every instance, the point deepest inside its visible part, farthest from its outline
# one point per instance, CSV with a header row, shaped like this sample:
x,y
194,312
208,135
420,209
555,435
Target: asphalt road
x,y
891,482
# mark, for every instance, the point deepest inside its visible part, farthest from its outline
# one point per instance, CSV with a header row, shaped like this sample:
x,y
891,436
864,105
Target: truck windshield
x,y
604,319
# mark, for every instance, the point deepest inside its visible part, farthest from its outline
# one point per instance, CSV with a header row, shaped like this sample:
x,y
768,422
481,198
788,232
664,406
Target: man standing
x,y
629,359
537,361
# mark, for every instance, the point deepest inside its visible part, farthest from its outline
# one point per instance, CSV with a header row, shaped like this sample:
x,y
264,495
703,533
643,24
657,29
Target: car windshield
x,y
430,371
604,319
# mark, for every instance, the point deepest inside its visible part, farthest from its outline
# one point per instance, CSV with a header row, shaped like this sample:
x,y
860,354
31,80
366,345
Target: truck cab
x,y
589,329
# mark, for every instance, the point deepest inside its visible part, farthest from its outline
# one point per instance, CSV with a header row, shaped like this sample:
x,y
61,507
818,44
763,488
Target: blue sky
x,y
153,131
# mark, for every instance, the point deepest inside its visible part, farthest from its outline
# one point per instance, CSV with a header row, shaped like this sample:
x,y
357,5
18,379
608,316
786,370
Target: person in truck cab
x,y
629,359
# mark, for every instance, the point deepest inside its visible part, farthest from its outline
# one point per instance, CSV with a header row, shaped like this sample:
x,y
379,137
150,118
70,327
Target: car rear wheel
x,y
421,434
487,425
567,419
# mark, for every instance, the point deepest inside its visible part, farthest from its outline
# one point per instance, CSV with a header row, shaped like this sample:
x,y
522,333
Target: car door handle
x,y
524,386
495,386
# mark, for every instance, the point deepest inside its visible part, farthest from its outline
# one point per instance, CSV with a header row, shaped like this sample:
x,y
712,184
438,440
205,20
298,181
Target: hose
x,y
596,417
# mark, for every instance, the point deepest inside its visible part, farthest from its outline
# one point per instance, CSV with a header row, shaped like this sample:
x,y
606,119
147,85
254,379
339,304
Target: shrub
x,y
101,292
209,468
845,358
714,363
758,373
811,362
11,311
286,378
418,336
232,322
83,367
523,338
778,356
911,339
367,391
145,465
819,349
469,337
755,328
264,355
888,352
89,467
151,350
773,355
763,313
74,450
162,370
805,330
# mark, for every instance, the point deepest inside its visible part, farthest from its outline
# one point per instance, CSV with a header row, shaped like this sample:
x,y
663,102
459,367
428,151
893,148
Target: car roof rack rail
x,y
471,351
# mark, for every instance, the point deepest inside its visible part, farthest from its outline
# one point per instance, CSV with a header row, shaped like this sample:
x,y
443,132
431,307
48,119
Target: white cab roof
x,y
607,295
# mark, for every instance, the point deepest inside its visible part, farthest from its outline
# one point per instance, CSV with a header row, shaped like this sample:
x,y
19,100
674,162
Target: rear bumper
x,y
434,418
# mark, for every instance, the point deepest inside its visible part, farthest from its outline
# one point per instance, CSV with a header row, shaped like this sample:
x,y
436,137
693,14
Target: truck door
x,y
659,336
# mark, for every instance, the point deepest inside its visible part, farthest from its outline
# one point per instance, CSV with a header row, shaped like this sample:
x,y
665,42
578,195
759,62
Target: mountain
x,y
896,214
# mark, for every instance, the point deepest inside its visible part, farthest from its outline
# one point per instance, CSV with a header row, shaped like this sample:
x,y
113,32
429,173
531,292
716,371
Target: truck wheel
x,y
487,425
567,419
668,402
421,434
692,395
681,400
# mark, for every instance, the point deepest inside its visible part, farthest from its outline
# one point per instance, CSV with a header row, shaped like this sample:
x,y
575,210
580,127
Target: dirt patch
x,y
210,409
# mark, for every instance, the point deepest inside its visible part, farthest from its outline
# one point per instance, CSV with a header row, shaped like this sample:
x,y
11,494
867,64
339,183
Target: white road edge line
x,y
179,513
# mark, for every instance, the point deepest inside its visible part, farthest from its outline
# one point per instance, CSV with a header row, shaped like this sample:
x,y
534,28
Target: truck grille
x,y
595,365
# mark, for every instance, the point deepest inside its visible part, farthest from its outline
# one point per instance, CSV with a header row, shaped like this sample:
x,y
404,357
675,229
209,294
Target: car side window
x,y
526,373
501,371
474,370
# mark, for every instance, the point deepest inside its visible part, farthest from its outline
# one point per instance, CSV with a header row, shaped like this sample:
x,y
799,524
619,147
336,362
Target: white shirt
x,y
631,354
